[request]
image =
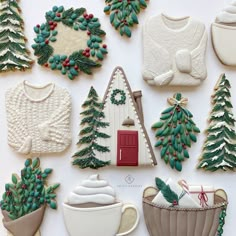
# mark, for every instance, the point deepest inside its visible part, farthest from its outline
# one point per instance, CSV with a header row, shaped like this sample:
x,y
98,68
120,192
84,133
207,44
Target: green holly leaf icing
x,y
169,195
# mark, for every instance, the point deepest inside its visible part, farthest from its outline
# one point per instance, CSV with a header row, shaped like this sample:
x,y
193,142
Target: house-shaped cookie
x,y
129,143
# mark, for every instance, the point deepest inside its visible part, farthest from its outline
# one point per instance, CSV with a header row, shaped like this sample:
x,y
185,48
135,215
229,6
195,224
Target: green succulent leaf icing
x,y
29,192
123,14
175,132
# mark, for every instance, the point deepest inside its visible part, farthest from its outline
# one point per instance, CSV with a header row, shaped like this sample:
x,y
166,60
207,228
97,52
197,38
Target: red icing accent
x,y
58,14
76,67
38,26
47,41
90,16
87,50
55,24
88,33
39,177
127,148
51,27
46,65
85,14
67,60
104,46
87,54
50,22
175,203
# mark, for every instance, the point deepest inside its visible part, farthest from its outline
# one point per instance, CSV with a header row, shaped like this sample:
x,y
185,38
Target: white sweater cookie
x,y
174,51
38,118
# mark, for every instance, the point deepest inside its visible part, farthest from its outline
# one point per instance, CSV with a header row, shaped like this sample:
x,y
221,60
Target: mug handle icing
x,y
124,208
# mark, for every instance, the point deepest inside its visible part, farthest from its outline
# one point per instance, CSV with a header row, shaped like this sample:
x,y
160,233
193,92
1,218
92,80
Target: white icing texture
x,y
228,14
92,190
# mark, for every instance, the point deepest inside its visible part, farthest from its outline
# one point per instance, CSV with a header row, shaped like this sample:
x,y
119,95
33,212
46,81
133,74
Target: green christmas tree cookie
x,y
175,132
91,122
70,41
13,52
219,149
123,14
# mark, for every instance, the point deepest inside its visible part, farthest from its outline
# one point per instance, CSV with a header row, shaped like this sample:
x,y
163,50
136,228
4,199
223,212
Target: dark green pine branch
x,y
89,135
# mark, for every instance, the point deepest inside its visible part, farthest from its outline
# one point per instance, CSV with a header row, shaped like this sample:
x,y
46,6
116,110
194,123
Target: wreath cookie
x,y
70,41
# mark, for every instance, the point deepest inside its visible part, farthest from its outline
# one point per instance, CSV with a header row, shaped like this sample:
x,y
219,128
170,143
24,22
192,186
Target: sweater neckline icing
x,y
175,19
37,87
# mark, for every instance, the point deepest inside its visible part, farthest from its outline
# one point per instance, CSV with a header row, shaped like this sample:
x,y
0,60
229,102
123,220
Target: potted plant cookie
x,y
24,201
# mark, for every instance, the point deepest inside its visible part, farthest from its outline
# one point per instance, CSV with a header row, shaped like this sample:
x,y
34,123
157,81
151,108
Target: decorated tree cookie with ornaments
x,y
172,201
13,52
223,32
93,203
175,132
25,199
70,41
124,14
219,148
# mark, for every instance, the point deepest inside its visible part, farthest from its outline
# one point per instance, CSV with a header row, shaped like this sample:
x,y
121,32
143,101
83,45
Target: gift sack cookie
x,y
224,35
25,199
170,211
174,51
92,209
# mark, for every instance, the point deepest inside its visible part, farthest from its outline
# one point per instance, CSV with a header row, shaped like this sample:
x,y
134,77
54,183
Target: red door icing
x,y
127,148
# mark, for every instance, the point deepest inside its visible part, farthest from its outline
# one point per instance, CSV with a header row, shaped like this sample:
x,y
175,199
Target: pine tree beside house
x,y
219,149
13,52
89,134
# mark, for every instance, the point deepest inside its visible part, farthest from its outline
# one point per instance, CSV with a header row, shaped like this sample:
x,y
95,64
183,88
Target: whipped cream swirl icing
x,y
92,190
228,14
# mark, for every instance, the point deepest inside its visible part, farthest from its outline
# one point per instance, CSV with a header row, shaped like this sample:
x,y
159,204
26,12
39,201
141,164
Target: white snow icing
x,y
14,22
218,114
8,12
4,5
204,164
222,124
24,58
229,152
228,141
223,163
219,148
11,30
8,61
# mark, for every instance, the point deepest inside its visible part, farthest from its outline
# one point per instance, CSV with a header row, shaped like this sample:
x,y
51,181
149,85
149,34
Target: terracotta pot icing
x,y
99,221
26,225
164,221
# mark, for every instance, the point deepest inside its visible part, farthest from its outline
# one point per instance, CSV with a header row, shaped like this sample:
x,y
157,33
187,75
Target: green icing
x,y
13,52
115,94
91,122
219,149
29,192
123,14
175,132
221,222
82,60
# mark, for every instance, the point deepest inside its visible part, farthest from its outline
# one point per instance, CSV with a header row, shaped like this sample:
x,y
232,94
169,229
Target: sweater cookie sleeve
x,y
157,68
57,128
18,137
199,70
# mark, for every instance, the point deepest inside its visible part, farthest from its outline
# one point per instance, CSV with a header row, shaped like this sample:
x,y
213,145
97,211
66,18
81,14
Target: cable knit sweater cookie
x,y
174,51
224,35
38,118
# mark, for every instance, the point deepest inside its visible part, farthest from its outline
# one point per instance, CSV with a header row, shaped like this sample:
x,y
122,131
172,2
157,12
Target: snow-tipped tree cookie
x,y
70,41
175,132
13,52
219,149
123,14
91,122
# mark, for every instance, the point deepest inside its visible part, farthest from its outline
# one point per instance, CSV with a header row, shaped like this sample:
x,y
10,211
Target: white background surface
x,y
128,54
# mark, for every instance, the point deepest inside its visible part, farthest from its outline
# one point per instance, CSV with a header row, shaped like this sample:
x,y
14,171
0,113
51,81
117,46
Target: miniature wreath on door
x,y
70,41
